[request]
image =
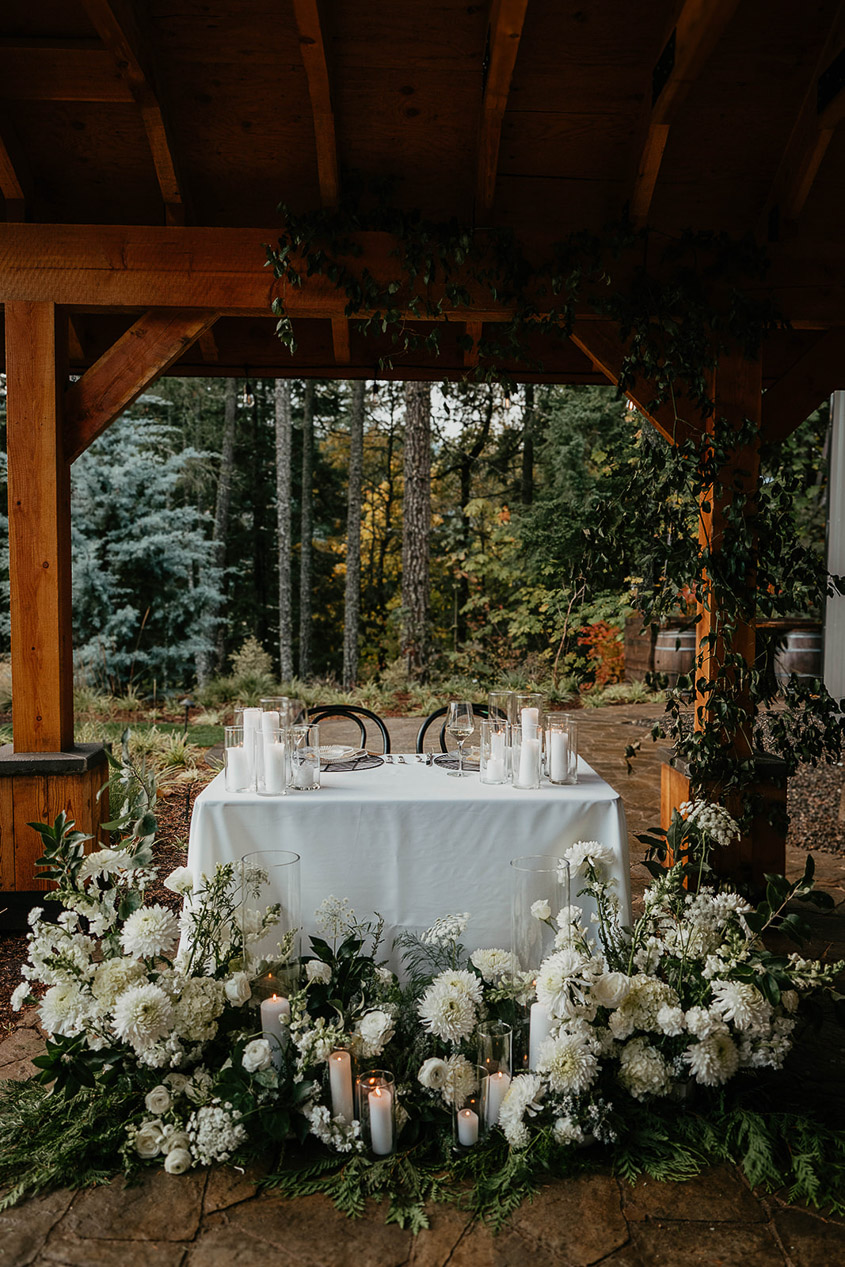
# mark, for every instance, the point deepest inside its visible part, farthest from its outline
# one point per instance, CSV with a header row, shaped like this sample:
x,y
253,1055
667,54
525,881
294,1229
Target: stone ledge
x,y
82,757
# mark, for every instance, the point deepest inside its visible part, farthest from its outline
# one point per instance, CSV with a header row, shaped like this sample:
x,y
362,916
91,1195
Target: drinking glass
x,y
460,723
305,757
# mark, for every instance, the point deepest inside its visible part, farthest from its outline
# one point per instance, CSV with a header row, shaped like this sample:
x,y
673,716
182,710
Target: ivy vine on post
x,y
690,331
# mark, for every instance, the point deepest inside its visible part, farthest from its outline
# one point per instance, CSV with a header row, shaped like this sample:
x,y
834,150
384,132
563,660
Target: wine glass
x,y
460,722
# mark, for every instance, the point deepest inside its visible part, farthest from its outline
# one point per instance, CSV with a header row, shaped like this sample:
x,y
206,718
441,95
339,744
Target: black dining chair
x,y
321,712
480,710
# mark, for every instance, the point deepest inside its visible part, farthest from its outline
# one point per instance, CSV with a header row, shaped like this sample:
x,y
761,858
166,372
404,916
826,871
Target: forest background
x,y
212,525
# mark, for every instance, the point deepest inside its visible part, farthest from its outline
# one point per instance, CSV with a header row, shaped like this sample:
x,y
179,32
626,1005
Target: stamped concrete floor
x,y
220,1219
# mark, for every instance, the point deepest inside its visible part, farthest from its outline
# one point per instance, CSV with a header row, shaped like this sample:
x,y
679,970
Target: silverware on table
x,y
401,760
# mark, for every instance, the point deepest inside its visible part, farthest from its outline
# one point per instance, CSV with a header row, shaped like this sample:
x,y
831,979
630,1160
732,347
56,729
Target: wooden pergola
x,y
144,148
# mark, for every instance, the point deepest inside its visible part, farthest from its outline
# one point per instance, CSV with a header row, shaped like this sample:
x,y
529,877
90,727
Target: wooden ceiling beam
x,y
507,18
208,347
685,52
118,25
15,179
123,372
804,386
60,70
821,111
599,340
473,331
313,51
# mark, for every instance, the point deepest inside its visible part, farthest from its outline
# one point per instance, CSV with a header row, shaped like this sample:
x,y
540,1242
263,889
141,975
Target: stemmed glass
x,y
460,723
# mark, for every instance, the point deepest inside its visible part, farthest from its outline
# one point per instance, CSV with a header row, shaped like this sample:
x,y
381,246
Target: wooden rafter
x,y
76,352
117,23
14,177
794,396
138,357
808,141
692,39
59,70
505,31
313,50
600,341
208,347
473,331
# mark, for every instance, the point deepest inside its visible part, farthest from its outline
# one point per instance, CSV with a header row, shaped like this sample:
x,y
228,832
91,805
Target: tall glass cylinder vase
x,y
376,1110
469,1124
539,891
529,709
237,762
272,761
501,706
495,1060
561,748
526,757
493,765
270,913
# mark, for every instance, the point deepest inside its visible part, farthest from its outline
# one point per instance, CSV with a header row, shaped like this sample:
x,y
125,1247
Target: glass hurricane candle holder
x,y
561,748
495,1060
539,892
494,767
375,1103
292,712
501,706
270,916
272,761
305,757
528,713
525,757
469,1124
236,760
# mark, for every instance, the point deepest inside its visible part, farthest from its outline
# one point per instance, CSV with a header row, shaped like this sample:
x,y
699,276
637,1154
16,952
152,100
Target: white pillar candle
x,y
237,769
304,775
558,755
497,1085
380,1103
340,1080
269,721
497,746
275,768
275,1014
539,1028
467,1128
529,762
530,722
252,719
494,770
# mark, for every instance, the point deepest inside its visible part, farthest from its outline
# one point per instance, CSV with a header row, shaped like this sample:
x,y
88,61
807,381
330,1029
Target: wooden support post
x,y
43,773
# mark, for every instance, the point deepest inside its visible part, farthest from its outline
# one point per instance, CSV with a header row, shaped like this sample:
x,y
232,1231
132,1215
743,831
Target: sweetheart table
x,y
409,842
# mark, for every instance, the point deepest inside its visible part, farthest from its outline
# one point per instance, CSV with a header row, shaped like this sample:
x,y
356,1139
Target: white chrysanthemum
x,y
564,981
714,1059
494,965
445,930
64,1009
460,1080
586,853
143,1014
104,862
374,1031
670,1020
523,1096
150,931
113,976
449,1007
569,1062
642,1069
567,1131
702,1022
741,1003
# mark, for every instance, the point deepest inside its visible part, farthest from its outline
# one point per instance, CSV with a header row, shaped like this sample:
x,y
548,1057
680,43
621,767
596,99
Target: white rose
x,y
148,1140
178,1161
158,1100
256,1055
541,909
610,989
238,989
177,1082
433,1073
180,881
175,1138
316,970
376,1029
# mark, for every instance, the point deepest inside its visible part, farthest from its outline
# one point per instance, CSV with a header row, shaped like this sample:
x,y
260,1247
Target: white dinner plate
x,y
338,752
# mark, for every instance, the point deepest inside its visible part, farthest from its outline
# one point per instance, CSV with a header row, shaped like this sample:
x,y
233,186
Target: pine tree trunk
x,y
528,447
352,602
416,525
221,516
306,533
283,439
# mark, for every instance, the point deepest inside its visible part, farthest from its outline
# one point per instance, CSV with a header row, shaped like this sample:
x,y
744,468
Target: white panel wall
x,y
834,630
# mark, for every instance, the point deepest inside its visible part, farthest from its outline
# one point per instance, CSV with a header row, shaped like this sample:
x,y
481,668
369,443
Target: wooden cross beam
x,y
118,24
805,385
143,353
821,111
689,44
14,175
59,70
506,21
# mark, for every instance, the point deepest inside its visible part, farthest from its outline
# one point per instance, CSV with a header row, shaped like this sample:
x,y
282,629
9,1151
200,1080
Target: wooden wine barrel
x,y
801,654
674,653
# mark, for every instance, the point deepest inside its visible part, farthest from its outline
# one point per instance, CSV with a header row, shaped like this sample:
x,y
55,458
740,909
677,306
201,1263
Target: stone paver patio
x,y
220,1219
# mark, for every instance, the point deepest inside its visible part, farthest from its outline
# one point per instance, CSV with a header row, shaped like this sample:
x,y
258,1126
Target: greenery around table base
x,y
665,1053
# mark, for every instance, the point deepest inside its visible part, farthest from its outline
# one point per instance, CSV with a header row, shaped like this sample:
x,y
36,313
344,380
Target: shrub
x,y
251,660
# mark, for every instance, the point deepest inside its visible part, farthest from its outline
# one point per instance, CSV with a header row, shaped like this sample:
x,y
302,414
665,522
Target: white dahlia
x,y
588,853
494,965
143,1014
569,1062
449,1007
741,1003
113,976
522,1097
150,931
714,1059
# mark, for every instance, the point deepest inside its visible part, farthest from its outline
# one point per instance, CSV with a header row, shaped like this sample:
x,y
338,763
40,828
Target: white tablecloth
x,y
411,843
